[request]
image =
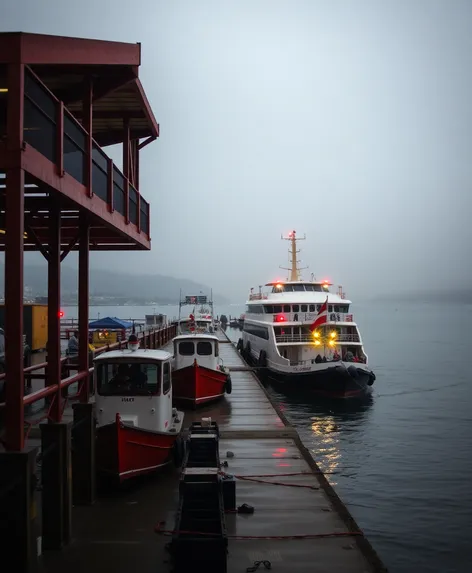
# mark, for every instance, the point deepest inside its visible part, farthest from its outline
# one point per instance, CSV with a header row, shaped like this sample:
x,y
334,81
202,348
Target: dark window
x,y
298,288
186,348
217,349
295,308
166,378
269,309
204,348
277,308
304,308
286,308
2,343
128,379
312,308
309,287
288,288
255,330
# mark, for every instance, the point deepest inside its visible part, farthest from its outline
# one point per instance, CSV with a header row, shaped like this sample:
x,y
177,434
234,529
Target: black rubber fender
x,y
240,345
228,385
247,351
371,379
262,361
353,371
178,452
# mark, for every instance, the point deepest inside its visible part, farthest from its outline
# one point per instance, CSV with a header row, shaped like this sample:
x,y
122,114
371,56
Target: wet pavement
x,y
298,524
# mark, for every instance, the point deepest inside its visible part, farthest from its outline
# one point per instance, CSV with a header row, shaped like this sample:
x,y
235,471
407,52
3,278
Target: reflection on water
x,y
326,427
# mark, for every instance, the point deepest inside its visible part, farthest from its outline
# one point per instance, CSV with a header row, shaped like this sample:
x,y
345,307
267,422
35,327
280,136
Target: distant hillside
x,y
159,288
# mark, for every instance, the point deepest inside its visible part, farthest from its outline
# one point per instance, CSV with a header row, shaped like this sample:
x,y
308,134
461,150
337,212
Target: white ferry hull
x,y
335,380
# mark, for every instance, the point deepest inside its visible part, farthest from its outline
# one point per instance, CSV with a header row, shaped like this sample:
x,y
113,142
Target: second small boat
x,y
198,373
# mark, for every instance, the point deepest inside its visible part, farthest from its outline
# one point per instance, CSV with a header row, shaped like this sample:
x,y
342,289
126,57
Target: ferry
x,y
300,333
138,430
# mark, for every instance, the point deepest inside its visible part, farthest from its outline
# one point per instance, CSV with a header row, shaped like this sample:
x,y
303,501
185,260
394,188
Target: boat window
x,y
186,348
166,378
277,309
298,288
128,379
217,349
288,288
304,308
309,287
312,308
204,348
269,309
286,308
295,308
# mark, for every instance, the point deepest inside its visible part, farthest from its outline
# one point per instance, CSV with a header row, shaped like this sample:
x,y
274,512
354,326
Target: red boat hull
x,y
125,451
195,385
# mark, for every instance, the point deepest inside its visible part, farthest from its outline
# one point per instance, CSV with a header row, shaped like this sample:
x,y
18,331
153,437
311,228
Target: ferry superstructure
x,y
300,332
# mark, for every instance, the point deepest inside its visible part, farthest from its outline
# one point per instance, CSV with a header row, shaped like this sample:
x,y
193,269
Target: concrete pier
x,y
299,524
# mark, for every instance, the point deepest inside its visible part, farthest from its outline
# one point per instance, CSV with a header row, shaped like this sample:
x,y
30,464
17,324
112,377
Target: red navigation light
x,y
61,314
279,318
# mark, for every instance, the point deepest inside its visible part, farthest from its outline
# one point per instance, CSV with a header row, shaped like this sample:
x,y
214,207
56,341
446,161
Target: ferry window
x,y
269,309
295,308
330,308
317,288
309,287
286,308
304,308
204,348
166,378
312,308
288,288
217,349
186,348
128,379
277,308
298,288
335,308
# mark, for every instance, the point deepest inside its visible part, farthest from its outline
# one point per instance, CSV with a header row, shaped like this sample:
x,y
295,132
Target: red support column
x,y
14,229
84,241
14,387
54,303
126,162
87,124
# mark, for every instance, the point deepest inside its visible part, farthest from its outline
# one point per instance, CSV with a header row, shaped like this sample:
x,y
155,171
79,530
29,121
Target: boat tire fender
x,y
240,346
247,351
371,379
228,385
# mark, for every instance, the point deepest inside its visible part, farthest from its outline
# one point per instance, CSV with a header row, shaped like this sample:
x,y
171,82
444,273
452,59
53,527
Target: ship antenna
x,y
294,269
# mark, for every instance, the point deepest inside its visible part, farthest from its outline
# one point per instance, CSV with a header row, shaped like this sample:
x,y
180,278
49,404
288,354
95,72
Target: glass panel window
x,y
128,379
186,348
204,348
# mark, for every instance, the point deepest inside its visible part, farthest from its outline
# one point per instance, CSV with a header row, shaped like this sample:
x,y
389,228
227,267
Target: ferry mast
x,y
294,269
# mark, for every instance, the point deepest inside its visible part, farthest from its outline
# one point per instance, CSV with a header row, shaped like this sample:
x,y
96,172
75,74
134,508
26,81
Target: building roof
x,y
64,64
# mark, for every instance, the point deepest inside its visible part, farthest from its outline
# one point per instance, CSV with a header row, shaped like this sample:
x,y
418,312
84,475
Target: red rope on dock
x,y
158,529
253,478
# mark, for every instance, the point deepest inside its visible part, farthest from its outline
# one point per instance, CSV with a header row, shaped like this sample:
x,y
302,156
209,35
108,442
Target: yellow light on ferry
x,y
278,285
332,342
333,334
317,342
316,334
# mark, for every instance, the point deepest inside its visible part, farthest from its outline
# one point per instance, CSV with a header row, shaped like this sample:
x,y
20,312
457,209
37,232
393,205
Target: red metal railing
x,y
39,137
149,339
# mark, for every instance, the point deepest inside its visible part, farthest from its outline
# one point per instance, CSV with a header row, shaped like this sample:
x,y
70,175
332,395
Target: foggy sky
x,y
350,121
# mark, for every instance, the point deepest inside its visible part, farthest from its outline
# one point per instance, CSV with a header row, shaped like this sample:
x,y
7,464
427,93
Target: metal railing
x,y
55,133
308,337
148,339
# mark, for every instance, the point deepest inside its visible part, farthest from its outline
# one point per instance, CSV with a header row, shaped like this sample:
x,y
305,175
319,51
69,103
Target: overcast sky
x,y
350,121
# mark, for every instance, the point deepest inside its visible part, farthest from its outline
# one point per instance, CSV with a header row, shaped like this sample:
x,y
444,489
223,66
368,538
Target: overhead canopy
x,y
110,323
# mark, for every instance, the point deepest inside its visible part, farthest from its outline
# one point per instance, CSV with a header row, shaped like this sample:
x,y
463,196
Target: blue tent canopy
x,y
110,323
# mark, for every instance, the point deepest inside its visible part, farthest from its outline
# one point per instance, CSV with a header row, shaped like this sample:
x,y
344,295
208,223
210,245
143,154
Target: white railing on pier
x,y
308,337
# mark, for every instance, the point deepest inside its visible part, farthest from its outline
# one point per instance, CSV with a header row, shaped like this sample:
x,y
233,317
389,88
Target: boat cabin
x,y
202,348
136,384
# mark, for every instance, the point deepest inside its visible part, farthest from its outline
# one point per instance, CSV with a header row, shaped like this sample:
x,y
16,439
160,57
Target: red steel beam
x,y
54,302
41,168
46,49
147,108
83,288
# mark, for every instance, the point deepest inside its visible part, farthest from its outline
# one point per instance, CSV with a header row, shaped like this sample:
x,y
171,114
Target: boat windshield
x,y
129,379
